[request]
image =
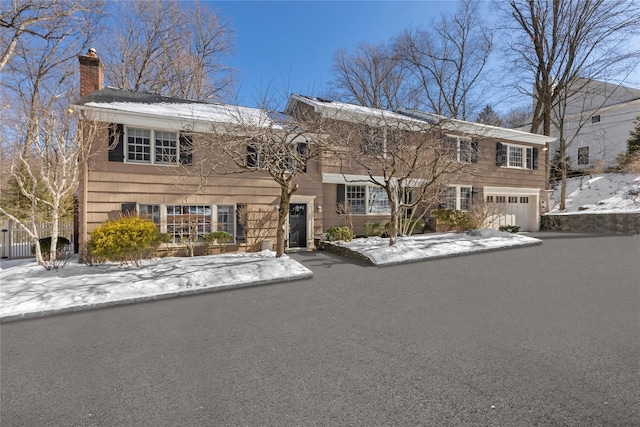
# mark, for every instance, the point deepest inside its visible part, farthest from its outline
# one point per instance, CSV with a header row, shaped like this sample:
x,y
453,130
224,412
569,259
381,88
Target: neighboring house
x,y
152,158
598,119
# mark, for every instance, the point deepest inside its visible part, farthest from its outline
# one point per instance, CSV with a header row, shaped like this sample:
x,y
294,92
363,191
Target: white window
x,y
151,212
465,149
377,202
517,156
367,199
226,215
457,198
357,198
152,146
188,222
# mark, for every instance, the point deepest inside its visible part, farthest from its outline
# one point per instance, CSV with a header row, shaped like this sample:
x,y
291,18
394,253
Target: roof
x,y
479,129
111,104
352,112
347,112
111,94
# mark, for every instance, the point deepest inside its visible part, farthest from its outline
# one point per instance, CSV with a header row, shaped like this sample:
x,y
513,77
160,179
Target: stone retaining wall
x,y
342,251
592,223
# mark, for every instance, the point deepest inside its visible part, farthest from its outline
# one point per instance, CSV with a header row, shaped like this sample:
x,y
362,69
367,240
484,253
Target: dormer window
x,y
595,119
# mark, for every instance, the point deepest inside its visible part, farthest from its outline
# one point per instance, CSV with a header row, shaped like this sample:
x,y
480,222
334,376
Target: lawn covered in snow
x,y
435,245
26,288
606,193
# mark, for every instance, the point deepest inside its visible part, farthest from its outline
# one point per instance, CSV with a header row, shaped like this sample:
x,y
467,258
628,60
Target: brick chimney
x,y
91,73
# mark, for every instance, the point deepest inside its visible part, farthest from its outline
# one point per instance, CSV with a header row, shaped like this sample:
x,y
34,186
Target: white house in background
x,y
598,118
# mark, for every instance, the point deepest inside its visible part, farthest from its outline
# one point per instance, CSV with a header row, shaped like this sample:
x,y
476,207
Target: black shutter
x,y
186,149
501,154
129,209
116,142
252,156
535,158
342,194
475,154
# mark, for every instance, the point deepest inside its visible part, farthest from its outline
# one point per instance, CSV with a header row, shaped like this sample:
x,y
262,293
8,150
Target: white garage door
x,y
513,209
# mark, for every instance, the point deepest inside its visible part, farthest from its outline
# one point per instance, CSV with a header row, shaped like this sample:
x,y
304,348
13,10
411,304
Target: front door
x,y
297,226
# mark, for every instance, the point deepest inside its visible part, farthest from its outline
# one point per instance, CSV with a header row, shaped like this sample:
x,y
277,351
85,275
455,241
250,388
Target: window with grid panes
x,y
357,198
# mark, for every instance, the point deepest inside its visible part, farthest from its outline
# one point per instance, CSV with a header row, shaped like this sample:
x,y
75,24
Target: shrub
x,y
509,228
452,219
125,240
218,238
45,247
411,226
373,229
340,234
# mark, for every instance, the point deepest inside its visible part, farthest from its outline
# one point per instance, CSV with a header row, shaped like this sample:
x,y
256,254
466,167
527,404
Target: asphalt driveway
x,y
544,335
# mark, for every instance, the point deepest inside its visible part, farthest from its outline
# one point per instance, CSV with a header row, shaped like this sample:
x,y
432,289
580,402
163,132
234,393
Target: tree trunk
x,y
283,211
393,229
563,181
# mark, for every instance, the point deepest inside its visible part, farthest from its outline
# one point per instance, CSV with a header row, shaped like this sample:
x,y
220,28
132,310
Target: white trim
x,y
309,201
511,191
339,178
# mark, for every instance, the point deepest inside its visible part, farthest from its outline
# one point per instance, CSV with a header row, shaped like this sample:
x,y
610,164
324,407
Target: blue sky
x,y
289,45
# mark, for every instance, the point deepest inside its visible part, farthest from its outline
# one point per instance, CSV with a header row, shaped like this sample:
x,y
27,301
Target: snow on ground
x,y
606,193
436,245
27,289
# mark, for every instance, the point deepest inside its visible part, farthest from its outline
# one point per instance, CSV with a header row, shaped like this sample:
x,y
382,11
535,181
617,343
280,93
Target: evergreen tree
x,y
489,117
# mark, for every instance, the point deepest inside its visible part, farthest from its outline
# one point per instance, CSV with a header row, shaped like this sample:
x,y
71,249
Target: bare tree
x,y
407,160
552,43
41,19
448,64
40,131
558,47
268,143
170,48
516,117
371,76
47,175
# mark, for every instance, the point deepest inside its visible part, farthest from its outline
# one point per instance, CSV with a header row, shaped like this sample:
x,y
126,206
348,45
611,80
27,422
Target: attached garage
x,y
514,206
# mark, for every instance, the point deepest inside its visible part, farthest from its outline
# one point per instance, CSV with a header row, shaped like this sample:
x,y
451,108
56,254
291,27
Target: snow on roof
x,y
214,113
351,112
479,129
110,102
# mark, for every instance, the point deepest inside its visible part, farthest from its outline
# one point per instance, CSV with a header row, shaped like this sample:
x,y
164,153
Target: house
x,y
598,118
151,156
508,167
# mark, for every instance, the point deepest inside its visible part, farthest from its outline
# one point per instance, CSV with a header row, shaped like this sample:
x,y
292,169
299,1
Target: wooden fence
x,y
15,242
